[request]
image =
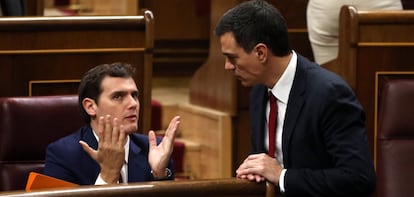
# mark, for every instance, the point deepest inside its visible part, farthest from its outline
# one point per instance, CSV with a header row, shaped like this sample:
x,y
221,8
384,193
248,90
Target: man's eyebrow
x,y
229,54
119,92
124,92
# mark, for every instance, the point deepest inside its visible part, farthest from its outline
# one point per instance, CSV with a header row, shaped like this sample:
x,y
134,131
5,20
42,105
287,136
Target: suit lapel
x,y
90,138
134,161
295,103
90,166
257,115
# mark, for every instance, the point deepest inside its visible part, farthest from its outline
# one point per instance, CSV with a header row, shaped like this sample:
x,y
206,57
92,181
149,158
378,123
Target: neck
x,y
277,67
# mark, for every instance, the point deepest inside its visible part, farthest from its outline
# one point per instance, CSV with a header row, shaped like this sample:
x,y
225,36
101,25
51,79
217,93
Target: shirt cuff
x,y
282,181
168,175
100,181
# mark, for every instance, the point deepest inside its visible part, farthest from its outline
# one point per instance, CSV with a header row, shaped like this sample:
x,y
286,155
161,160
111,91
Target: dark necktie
x,y
272,124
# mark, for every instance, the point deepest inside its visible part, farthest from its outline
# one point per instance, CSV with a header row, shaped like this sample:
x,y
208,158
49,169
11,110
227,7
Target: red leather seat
x,y
395,140
27,126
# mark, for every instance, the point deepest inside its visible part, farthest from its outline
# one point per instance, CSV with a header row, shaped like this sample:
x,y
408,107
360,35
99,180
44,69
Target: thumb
x,y
91,152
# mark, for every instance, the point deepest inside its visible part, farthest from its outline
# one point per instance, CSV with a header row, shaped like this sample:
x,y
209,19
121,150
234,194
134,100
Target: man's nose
x,y
228,65
133,101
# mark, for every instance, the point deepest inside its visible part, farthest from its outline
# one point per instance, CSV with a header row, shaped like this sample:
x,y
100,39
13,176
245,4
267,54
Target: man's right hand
x,y
111,149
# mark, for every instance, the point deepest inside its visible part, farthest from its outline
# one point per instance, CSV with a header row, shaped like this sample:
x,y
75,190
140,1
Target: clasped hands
x,y
111,149
260,167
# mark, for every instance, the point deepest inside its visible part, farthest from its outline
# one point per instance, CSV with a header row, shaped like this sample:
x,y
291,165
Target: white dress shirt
x,y
124,169
281,91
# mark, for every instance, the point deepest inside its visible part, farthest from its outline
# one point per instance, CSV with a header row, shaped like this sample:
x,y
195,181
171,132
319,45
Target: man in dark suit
x,y
108,150
319,147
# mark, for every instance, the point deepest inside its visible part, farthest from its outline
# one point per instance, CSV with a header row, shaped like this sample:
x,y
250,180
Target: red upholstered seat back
x,y
156,115
395,140
27,126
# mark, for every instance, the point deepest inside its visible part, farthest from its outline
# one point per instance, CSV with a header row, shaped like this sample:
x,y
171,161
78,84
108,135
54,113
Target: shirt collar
x,y
282,88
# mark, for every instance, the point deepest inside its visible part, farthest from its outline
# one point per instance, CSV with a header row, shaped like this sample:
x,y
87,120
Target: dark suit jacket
x,y
324,142
65,158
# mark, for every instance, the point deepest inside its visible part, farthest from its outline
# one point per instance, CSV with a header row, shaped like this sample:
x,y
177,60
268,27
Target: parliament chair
x,y
27,126
395,139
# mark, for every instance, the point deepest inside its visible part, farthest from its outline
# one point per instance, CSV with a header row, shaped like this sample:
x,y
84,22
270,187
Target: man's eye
x,y
232,60
117,97
135,95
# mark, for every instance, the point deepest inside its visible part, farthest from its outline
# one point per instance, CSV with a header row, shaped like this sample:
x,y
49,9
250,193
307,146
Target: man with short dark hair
x,y
108,149
316,145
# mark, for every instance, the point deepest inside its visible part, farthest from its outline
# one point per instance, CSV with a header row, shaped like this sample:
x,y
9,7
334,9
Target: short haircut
x,y
254,22
91,83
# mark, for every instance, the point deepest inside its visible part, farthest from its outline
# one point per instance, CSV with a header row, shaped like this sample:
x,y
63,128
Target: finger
x,y
172,127
242,176
101,128
91,152
115,131
170,134
152,139
259,178
242,170
239,173
254,156
122,135
242,166
108,129
251,177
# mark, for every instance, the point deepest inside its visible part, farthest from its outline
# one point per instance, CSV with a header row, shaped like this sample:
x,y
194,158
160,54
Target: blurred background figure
x,y
323,21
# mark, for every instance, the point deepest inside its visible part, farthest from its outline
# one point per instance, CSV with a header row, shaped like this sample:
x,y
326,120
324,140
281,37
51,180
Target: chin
x,y
246,84
131,128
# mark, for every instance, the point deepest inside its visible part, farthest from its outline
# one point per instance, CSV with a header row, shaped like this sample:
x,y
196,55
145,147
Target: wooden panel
x,y
64,48
371,42
53,87
34,8
179,19
210,129
376,29
181,35
23,68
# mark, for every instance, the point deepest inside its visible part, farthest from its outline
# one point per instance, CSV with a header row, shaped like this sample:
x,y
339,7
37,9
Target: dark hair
x,y
90,85
254,22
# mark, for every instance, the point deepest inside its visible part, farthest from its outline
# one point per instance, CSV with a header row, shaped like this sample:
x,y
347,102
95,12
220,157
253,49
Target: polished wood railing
x,y
199,188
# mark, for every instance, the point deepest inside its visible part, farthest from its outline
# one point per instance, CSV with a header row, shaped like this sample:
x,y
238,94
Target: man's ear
x,y
90,106
261,52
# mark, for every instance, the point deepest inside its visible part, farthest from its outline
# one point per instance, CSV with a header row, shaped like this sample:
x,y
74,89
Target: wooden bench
x,y
199,188
373,43
48,55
